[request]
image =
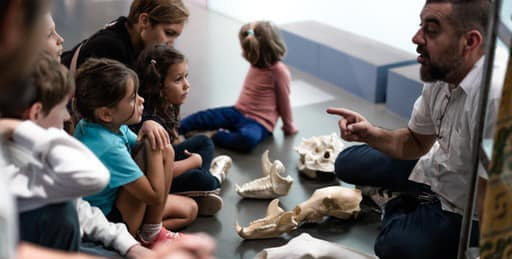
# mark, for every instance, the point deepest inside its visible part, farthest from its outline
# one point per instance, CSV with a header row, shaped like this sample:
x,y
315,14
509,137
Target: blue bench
x,y
404,87
357,64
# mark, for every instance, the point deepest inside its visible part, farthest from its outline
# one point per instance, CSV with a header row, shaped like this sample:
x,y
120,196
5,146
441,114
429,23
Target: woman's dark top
x,y
113,41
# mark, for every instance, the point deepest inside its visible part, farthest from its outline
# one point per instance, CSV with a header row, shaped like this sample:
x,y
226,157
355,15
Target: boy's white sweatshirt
x,y
49,166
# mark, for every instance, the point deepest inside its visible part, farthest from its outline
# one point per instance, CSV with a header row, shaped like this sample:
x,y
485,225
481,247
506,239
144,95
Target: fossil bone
x,y
318,154
275,223
273,184
307,247
335,201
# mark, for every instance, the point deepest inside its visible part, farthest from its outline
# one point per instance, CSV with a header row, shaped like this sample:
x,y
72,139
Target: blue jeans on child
x,y
240,133
412,228
198,179
54,226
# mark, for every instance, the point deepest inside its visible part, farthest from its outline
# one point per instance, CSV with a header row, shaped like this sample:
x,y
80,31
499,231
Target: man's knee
x,y
347,165
395,243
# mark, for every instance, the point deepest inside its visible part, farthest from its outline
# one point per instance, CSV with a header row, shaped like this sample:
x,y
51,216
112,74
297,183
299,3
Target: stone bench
x,y
403,88
355,63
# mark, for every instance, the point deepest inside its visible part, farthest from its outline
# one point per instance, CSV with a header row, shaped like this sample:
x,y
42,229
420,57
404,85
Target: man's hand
x,y
353,126
139,252
155,133
190,246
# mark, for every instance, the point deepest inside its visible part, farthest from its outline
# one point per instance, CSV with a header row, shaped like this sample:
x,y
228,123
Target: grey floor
x,y
217,71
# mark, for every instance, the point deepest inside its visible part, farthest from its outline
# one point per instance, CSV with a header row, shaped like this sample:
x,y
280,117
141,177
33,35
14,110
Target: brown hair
x,y
159,11
15,64
261,43
101,83
152,66
52,81
468,15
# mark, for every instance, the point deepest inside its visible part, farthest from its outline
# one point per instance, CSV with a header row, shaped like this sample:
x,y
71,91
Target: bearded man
x,y
429,162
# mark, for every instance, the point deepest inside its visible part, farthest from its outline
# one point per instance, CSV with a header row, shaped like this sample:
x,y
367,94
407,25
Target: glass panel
x,y
506,14
498,75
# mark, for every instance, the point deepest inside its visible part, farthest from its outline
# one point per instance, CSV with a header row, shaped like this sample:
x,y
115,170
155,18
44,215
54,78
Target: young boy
x,y
50,169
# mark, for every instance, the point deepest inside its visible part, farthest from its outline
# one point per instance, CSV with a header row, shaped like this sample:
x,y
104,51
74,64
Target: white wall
x,y
393,22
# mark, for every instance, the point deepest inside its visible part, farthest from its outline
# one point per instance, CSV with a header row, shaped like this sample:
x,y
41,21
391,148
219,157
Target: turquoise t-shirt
x,y
113,149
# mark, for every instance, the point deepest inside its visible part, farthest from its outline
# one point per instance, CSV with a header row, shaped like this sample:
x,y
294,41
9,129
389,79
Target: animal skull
x,y
318,154
335,201
275,223
271,185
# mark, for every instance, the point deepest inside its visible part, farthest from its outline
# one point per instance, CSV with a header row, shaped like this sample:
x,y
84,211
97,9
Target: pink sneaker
x,y
164,236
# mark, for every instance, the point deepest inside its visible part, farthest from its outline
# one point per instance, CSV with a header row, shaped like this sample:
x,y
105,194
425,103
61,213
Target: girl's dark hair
x,y
152,66
262,44
159,11
101,83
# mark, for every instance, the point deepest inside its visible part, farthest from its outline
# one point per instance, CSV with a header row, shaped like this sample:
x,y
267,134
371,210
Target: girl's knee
x,y
168,152
206,142
247,144
192,210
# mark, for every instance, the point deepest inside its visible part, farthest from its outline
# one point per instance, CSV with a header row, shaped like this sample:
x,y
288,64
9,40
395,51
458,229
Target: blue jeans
x,y
54,226
411,228
94,248
198,179
240,133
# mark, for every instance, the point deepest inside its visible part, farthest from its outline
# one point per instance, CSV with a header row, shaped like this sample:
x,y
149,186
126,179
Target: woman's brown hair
x,y
159,11
262,44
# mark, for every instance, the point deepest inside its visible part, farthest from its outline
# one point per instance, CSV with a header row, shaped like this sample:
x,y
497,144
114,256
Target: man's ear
x,y
473,40
104,114
34,112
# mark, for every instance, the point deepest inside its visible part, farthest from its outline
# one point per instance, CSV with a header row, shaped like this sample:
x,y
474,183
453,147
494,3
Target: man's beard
x,y
443,70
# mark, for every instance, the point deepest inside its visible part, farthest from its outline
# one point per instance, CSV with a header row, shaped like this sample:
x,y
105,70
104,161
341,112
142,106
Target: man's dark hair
x,y
468,15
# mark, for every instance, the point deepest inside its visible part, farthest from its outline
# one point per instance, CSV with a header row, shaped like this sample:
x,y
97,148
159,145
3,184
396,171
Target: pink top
x,y
266,96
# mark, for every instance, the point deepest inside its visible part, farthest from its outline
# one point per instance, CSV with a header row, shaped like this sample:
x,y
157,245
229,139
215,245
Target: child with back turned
x,y
106,98
263,99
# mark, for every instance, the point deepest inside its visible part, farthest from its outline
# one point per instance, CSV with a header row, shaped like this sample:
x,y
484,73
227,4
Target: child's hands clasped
x,y
195,158
155,133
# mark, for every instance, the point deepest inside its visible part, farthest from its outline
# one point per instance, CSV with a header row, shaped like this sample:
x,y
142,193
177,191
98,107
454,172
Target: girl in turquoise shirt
x,y
106,98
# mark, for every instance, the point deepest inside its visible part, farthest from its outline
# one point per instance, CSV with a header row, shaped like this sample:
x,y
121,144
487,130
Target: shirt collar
x,y
474,77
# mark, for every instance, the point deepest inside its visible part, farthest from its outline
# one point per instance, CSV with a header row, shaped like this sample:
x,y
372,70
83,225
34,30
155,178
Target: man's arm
x,y
401,143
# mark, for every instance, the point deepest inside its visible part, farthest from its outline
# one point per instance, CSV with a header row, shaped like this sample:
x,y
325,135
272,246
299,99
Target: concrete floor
x,y
217,71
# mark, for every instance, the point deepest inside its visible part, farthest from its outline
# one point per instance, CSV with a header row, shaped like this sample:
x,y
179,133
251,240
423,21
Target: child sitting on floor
x,y
163,73
106,98
264,97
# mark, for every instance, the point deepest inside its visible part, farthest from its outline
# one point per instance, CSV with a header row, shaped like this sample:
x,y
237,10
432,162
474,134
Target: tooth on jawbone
x,y
334,201
270,186
265,163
